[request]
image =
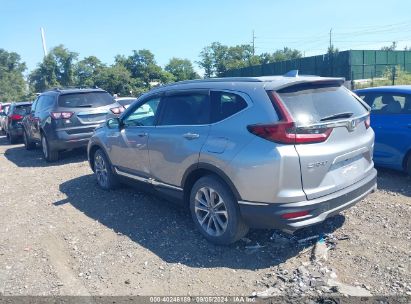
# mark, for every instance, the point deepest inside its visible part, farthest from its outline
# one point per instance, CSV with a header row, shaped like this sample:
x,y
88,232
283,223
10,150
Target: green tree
x,y
143,67
280,55
391,47
216,58
12,83
88,70
116,79
181,69
57,69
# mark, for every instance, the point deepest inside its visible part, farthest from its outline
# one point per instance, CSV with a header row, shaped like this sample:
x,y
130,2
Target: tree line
x,y
128,75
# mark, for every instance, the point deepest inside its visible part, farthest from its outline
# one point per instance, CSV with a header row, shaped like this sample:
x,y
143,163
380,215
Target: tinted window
x,y
186,109
85,100
385,103
311,103
144,115
225,104
22,109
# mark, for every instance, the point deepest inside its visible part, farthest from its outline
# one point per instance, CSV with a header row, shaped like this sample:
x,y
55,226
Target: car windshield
x,y
85,100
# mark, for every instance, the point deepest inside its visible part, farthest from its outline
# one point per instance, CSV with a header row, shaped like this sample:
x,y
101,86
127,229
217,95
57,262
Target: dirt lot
x,y
61,235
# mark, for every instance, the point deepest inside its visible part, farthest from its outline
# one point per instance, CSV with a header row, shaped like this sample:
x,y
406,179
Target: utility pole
x,y
43,41
253,43
331,30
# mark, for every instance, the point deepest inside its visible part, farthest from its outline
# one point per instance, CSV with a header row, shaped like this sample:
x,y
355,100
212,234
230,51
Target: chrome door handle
x,y
191,136
144,134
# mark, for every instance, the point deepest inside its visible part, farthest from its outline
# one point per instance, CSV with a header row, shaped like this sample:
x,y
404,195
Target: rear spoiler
x,y
305,84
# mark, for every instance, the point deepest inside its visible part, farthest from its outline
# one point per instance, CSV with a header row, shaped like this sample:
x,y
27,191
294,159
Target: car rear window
x,y
85,100
22,110
312,103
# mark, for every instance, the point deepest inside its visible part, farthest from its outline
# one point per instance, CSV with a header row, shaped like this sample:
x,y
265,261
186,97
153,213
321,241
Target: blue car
x,y
391,121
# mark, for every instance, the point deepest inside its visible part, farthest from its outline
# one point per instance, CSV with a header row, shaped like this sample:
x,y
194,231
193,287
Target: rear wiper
x,y
84,106
338,115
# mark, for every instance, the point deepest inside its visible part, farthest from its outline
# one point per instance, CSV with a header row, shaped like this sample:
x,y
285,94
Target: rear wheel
x,y
49,154
12,139
106,179
215,211
29,145
408,165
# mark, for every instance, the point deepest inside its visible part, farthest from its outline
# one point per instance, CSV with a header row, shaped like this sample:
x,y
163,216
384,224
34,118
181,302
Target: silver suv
x,y
267,152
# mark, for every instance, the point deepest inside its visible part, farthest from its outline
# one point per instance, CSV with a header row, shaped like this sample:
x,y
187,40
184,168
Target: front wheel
x,y
215,211
49,154
102,170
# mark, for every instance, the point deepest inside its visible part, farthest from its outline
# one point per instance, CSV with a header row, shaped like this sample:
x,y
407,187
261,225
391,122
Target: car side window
x,y
225,104
47,102
33,106
143,115
386,103
188,108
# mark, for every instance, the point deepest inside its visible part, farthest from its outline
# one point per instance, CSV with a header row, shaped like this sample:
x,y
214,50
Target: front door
x,y
128,147
181,132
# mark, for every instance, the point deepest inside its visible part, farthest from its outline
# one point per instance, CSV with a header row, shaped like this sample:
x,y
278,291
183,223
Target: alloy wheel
x,y
100,169
211,211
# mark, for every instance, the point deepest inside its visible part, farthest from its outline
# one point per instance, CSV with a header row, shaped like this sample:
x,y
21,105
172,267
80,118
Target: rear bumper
x,y
70,138
268,215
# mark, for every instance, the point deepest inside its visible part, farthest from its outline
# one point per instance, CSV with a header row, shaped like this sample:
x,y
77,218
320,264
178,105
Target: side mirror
x,y
114,123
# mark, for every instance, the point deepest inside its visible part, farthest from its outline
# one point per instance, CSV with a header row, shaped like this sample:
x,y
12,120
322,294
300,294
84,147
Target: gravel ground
x,y
61,235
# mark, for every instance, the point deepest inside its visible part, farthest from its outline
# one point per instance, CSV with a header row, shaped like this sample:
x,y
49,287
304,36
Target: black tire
x,y
408,165
234,227
28,144
49,154
12,139
103,171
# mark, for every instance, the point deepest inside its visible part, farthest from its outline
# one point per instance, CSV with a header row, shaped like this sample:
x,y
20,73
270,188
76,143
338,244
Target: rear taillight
x,y
16,117
285,131
367,122
61,115
117,110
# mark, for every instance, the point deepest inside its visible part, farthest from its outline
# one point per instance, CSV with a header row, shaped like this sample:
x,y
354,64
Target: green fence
x,y
352,65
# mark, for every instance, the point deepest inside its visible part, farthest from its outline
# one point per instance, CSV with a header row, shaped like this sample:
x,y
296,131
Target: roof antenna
x,y
292,73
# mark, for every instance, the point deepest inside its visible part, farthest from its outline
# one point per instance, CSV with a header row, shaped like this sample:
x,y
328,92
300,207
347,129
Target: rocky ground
x,y
61,235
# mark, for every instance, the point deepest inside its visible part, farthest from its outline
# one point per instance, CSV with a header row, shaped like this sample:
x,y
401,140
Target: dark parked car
x,y
63,119
4,108
13,121
391,121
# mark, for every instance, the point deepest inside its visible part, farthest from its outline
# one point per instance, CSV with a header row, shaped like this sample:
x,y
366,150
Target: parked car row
x,y
268,152
11,119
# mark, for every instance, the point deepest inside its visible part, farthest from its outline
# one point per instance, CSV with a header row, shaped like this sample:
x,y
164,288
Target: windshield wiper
x,y
338,115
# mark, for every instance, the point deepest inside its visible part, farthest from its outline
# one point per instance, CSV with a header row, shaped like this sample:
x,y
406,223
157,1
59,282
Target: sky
x,y
181,28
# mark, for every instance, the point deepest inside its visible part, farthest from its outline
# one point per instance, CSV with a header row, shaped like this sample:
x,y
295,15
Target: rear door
x,y
391,121
345,157
176,142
